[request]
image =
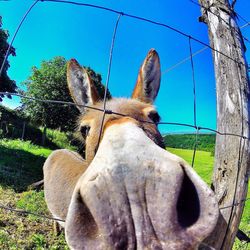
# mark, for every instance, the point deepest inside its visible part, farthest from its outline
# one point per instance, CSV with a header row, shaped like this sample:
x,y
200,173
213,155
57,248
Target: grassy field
x,y
21,164
204,167
205,142
203,163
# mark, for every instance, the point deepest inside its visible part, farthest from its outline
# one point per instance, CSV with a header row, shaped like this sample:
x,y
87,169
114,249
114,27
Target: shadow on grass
x,y
19,168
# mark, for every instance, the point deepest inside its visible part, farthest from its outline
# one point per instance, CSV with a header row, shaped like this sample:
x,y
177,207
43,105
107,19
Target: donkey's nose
x,y
140,197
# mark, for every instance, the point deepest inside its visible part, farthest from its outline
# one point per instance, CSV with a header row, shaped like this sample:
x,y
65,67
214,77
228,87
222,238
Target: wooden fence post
x,y
44,135
23,132
232,160
6,127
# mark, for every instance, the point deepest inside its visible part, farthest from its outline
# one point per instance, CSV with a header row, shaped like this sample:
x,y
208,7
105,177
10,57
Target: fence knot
x,y
107,111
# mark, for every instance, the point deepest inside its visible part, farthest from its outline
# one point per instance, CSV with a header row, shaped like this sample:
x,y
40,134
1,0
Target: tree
x,y
49,82
6,84
232,159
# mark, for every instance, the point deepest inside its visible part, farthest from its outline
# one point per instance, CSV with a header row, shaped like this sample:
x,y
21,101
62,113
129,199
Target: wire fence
x,y
25,212
243,138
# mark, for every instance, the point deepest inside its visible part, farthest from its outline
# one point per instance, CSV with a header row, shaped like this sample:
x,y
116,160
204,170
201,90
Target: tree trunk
x,y
231,153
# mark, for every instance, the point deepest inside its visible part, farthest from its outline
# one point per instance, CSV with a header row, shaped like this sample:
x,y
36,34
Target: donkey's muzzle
x,y
143,198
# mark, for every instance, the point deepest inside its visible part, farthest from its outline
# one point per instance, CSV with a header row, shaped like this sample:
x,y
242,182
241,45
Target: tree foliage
x,y
49,82
6,84
205,142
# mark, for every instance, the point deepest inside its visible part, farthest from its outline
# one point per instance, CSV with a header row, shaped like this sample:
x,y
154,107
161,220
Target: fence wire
x,y
107,79
208,9
15,34
242,137
199,128
180,32
24,213
184,60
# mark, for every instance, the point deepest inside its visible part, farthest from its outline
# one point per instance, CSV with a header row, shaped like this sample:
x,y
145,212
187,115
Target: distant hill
x,y
206,142
12,122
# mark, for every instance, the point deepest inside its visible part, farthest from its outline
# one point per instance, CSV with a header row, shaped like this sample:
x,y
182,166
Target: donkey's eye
x,y
154,116
85,130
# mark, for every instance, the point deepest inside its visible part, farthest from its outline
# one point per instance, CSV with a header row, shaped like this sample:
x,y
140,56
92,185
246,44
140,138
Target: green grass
x,y
33,202
60,139
203,165
25,146
21,164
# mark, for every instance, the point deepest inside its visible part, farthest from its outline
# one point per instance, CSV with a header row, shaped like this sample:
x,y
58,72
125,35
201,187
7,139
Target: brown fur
x,y
60,179
128,107
63,168
128,193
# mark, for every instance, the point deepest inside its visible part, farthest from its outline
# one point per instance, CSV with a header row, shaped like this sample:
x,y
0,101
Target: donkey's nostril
x,y
188,204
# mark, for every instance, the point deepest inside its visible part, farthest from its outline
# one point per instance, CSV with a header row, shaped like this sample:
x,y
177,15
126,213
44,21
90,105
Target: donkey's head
x,y
139,107
134,194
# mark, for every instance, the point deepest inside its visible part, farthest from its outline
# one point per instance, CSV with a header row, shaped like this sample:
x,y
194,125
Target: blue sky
x,y
53,29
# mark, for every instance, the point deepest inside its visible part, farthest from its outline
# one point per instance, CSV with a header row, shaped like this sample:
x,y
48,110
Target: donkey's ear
x,y
148,81
81,87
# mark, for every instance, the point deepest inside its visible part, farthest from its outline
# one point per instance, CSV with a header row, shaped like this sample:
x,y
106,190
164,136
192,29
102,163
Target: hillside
x,y
205,142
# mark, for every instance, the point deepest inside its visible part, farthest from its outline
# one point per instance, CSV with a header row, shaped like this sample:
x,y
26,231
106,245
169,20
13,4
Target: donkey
x,y
128,192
